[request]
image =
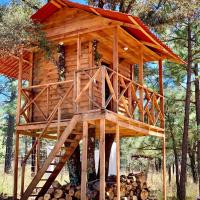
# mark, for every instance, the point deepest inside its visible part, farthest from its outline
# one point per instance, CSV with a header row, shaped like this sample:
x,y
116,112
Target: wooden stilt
x,y
102,159
84,162
16,165
118,161
164,169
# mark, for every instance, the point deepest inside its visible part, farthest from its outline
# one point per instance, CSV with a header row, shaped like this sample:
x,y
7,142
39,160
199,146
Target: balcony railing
x,y
94,89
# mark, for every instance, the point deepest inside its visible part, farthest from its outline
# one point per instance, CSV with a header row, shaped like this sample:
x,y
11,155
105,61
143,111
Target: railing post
x,y
103,87
115,67
141,83
19,87
78,78
160,69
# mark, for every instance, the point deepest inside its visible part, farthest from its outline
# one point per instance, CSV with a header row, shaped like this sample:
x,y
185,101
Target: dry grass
x,y
154,181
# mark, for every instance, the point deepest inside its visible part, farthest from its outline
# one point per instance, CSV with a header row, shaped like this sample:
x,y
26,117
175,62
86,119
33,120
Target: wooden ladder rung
x,y
43,179
48,171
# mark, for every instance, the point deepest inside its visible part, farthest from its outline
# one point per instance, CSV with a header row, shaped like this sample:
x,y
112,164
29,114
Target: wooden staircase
x,y
70,139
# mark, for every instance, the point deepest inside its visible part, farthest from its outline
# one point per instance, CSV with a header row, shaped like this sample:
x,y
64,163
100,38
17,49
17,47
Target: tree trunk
x,y
197,105
9,135
175,157
9,143
91,155
109,139
74,166
33,156
170,174
191,153
183,174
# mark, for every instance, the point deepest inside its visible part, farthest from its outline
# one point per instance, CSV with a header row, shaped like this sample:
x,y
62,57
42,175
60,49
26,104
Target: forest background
x,y
177,24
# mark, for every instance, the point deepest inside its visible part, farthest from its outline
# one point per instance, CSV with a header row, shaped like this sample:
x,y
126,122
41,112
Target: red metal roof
x,y
144,34
9,65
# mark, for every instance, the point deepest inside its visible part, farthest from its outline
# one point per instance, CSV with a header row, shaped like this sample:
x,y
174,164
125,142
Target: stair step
x,y
53,163
48,171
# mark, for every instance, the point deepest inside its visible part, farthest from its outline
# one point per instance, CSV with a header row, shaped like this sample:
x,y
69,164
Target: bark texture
x,y
182,194
9,136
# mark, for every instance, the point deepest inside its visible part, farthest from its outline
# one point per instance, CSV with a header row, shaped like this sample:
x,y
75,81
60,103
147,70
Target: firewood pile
x,y
132,187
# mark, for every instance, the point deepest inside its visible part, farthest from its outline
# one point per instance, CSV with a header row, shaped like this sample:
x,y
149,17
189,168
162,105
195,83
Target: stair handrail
x,y
50,118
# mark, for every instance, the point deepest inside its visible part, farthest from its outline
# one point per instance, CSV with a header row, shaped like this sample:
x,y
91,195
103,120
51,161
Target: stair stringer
x,y
75,119
56,171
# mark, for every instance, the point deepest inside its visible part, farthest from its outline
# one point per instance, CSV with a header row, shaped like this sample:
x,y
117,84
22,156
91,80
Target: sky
x,y
3,2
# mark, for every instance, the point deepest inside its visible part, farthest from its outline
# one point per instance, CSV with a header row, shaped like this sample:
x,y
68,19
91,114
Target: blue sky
x,y
3,2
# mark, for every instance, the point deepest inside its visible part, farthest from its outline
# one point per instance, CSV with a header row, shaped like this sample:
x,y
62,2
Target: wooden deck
x,y
128,127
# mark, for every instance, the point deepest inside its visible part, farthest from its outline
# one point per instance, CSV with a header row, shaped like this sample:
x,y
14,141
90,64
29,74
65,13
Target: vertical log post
x,y
141,82
118,161
90,49
17,123
19,87
16,166
103,87
84,162
30,84
160,70
115,67
164,169
102,159
77,76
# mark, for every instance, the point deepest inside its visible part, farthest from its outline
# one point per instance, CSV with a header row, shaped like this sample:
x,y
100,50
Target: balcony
x,y
92,90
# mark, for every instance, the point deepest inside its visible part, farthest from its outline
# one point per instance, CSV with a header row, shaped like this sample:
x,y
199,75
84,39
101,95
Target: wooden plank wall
x,y
45,71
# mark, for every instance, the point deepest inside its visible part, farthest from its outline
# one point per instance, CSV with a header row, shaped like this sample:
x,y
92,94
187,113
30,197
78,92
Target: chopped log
x,y
58,193
144,194
47,197
56,185
50,191
68,197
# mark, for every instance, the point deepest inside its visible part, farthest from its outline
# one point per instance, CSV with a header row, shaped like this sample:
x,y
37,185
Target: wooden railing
x,y
98,93
94,89
55,114
40,98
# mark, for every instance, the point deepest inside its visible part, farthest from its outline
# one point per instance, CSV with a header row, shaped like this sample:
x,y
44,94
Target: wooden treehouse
x,y
97,81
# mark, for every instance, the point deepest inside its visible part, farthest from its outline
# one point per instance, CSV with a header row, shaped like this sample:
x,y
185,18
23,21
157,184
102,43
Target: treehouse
x,y
95,79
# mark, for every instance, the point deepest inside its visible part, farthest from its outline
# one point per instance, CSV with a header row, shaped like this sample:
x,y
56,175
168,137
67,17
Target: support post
x,y
77,86
91,64
160,70
164,169
19,87
16,166
115,67
102,159
118,161
141,82
84,162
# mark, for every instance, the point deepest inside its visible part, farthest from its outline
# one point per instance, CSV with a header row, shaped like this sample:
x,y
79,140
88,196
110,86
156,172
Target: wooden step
x,y
48,171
